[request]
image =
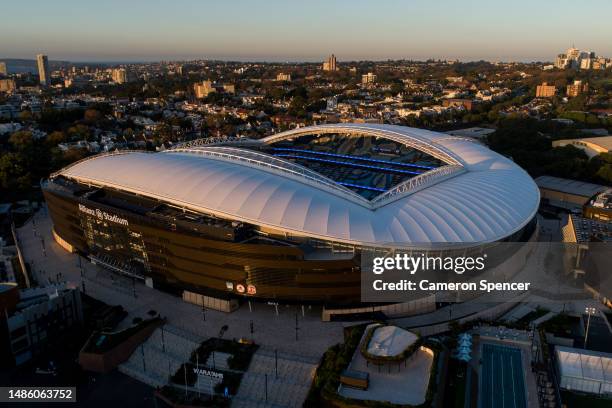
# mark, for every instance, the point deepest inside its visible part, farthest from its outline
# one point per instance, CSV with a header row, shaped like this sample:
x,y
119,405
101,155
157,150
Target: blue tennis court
x,y
502,383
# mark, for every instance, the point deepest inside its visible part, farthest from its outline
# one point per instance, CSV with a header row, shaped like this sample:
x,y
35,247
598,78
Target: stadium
x,y
286,218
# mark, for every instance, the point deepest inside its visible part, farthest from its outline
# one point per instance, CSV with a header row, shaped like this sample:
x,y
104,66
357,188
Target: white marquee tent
x,y
584,370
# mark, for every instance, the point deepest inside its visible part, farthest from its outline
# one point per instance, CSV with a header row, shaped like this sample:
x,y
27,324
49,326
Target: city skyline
x,y
276,32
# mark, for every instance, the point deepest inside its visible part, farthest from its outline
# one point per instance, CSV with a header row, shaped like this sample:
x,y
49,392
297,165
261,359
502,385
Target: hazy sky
x,y
303,30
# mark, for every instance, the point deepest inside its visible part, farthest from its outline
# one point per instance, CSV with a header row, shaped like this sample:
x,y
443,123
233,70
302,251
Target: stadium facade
x,y
286,217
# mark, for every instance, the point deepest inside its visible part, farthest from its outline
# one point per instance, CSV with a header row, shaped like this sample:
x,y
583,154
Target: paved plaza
x,y
50,262
160,356
187,326
284,383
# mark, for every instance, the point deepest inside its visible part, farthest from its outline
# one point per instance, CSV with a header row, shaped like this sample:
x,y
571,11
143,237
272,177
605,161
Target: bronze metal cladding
x,y
202,259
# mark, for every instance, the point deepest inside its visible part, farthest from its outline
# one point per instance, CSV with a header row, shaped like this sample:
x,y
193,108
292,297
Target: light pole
x,y
162,339
589,311
82,273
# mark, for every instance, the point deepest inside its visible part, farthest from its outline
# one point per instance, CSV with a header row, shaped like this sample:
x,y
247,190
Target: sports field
x,y
502,383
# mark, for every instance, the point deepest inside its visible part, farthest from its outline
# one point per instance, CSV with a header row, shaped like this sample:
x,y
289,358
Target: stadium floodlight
x,y
589,311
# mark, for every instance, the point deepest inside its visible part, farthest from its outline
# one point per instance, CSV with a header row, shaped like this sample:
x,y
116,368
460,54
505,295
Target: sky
x,y
300,30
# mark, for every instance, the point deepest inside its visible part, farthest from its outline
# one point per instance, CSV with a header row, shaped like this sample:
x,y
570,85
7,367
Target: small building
x,y
600,207
594,131
582,230
9,296
477,133
592,146
468,104
41,316
565,193
8,112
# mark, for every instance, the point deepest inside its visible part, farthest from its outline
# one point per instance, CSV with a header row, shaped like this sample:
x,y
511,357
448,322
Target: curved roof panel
x,y
488,201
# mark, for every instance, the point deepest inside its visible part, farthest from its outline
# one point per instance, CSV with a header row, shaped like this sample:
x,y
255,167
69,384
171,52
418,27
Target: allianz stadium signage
x,y
103,215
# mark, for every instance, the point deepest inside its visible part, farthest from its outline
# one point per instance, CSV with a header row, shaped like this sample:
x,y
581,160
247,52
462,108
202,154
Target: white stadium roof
x,y
479,196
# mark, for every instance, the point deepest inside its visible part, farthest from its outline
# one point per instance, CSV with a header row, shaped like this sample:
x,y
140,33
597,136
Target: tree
x,y
21,140
605,170
79,132
276,93
13,172
163,132
605,173
577,103
55,138
92,116
396,88
128,133
297,106
300,91
25,116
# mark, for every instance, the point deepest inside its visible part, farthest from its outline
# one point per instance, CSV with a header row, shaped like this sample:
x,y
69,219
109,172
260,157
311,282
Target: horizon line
x,y
271,61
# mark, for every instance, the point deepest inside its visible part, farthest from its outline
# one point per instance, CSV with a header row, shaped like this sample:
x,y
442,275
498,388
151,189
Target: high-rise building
x,y
368,78
574,58
120,75
3,70
202,89
576,88
601,63
43,69
586,63
330,64
545,90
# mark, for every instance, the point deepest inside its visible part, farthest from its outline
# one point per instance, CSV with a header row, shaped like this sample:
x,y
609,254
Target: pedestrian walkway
x,y
271,382
257,321
158,358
